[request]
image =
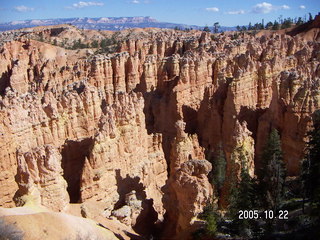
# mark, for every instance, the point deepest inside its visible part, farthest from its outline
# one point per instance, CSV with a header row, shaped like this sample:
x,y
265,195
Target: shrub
x,y
211,217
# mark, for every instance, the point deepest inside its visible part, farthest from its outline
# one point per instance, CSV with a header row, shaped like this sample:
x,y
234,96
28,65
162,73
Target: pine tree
x,y
242,194
286,23
95,44
275,25
216,27
103,43
273,173
311,165
246,190
242,197
299,21
206,29
211,217
269,25
219,170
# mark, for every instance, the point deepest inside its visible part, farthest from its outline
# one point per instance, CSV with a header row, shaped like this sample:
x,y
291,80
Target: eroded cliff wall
x,y
141,123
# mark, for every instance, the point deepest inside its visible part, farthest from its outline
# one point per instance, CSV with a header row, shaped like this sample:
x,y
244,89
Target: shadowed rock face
x,y
101,126
74,154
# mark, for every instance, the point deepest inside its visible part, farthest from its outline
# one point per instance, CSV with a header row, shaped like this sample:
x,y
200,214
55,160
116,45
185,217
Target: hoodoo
x,y
128,136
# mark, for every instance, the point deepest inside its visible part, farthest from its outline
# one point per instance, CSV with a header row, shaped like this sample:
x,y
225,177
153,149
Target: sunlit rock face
x,y
144,121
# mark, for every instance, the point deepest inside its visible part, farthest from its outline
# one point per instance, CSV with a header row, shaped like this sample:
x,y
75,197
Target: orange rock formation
x,y
96,129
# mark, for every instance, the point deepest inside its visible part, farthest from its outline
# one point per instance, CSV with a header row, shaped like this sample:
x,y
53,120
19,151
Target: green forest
x,y
271,205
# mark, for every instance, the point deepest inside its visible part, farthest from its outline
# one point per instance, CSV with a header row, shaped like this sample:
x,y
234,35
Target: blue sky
x,y
198,12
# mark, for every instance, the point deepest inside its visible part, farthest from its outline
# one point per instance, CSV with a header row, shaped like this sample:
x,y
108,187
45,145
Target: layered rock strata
x,y
114,116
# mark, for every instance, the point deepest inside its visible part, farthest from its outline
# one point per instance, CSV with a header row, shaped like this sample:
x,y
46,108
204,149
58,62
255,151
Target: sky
x,y
192,12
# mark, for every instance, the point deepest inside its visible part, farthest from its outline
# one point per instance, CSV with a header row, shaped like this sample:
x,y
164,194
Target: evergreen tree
x,y
78,44
280,19
206,29
211,217
242,197
275,25
74,45
269,25
95,44
103,43
273,173
299,21
106,44
216,27
311,165
286,23
242,194
244,28
310,17
211,227
219,170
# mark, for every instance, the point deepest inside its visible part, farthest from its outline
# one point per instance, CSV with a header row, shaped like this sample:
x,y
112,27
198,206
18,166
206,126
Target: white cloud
x,y
138,2
285,7
302,7
212,9
236,12
23,8
267,8
17,22
262,8
86,4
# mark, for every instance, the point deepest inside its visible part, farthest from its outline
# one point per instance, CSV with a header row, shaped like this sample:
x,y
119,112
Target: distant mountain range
x,y
103,23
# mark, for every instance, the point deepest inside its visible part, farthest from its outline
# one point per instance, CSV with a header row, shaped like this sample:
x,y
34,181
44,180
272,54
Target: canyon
x,y
127,138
